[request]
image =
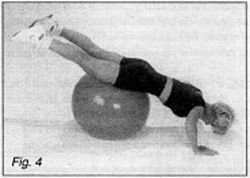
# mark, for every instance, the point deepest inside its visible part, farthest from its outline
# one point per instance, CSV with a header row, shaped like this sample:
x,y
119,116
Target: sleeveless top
x,y
183,98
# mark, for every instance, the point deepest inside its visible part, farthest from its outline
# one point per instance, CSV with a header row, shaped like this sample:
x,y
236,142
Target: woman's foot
x,y
49,24
35,35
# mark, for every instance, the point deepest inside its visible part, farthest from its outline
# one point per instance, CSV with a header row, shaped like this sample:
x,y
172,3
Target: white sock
x,y
46,42
58,31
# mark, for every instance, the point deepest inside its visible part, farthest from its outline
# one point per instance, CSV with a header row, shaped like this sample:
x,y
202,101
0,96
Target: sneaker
x,y
33,35
49,24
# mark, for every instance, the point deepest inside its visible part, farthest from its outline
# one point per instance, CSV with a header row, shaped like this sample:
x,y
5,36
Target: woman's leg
x,y
105,71
89,46
51,26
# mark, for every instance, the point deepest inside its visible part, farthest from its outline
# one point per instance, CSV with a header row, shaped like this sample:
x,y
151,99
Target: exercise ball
x,y
107,112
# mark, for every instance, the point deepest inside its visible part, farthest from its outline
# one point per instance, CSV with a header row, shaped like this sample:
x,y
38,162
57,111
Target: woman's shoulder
x,y
199,110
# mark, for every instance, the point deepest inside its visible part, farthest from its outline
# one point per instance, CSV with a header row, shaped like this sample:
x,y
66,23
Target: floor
x,y
66,149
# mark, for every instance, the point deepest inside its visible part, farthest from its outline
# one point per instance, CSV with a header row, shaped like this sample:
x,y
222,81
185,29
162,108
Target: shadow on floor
x,y
74,138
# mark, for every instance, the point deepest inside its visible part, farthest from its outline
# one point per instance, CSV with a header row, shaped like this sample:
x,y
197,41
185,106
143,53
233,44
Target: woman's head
x,y
223,118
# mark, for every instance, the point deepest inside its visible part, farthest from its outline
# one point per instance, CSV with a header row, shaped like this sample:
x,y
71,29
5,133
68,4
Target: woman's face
x,y
221,123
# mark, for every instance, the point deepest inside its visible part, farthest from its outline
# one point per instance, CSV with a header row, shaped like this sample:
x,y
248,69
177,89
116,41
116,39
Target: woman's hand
x,y
191,130
202,150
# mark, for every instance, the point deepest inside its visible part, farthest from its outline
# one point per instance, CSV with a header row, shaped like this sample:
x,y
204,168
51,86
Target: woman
x,y
183,99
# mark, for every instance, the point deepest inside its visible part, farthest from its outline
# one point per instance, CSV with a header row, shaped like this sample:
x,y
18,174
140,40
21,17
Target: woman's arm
x,y
191,129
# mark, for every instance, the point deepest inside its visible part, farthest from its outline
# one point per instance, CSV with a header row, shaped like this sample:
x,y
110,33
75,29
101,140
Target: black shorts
x,y
139,75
